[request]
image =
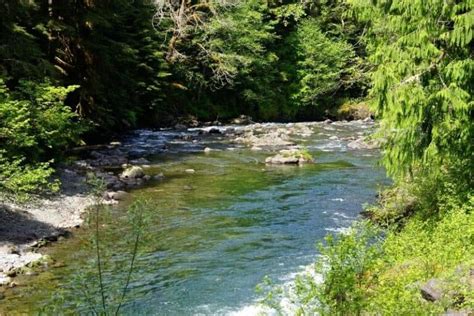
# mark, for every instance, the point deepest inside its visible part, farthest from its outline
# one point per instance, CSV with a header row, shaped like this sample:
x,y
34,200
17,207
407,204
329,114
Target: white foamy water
x,y
288,302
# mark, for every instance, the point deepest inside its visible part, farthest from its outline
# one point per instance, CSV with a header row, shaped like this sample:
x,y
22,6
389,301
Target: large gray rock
x,y
432,290
280,160
360,143
134,172
118,195
289,156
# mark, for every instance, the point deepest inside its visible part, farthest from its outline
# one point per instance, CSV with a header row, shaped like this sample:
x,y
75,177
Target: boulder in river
x,y
118,195
134,172
360,143
290,156
214,131
242,120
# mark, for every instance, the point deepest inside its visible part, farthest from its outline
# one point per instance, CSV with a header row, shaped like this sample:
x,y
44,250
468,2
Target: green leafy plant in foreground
x,y
35,127
103,286
345,266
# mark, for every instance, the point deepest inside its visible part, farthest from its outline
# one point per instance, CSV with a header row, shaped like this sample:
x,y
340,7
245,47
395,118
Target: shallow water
x,y
217,232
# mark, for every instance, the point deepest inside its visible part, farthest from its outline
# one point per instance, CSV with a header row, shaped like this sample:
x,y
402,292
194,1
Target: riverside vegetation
x,y
73,70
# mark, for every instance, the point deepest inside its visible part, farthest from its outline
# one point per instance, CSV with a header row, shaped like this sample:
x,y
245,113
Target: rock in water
x,y
242,120
133,173
118,196
290,156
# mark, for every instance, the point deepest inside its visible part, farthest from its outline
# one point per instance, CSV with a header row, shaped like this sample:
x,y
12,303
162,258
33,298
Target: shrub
x,y
35,127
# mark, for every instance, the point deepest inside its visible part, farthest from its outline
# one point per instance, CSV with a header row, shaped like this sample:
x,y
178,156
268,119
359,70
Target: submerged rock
x,y
132,173
140,161
159,176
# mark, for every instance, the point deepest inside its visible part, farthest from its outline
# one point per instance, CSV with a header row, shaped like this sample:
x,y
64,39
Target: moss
x,y
353,110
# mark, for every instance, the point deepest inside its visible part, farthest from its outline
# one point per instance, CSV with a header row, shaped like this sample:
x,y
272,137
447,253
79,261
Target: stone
x,y
242,120
118,195
12,249
361,144
190,171
159,176
140,161
432,290
279,159
368,120
188,120
452,312
214,131
132,173
289,156
4,280
180,126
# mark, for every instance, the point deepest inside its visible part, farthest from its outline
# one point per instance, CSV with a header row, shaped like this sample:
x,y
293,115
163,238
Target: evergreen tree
x,y
423,84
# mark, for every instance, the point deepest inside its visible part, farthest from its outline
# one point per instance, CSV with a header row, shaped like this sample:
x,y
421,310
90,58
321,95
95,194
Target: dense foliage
x,y
422,87
35,125
71,69
143,62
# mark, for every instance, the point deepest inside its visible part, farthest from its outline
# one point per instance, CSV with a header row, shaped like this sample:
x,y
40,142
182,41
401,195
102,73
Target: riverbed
x,y
218,230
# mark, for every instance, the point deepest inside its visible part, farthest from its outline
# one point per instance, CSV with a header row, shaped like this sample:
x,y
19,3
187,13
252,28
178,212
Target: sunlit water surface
x,y
216,233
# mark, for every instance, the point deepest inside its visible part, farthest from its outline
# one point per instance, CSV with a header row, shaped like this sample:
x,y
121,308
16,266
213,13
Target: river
x,y
217,232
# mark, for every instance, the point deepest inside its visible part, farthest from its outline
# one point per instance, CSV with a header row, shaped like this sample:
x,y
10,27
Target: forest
x,y
80,72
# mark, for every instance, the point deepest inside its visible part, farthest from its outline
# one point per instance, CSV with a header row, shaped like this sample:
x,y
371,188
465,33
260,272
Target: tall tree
x,y
423,84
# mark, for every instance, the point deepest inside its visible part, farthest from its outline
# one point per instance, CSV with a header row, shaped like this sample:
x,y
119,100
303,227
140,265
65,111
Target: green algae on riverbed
x,y
215,233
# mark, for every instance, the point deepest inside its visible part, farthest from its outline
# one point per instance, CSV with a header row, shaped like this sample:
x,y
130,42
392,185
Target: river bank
x,y
111,162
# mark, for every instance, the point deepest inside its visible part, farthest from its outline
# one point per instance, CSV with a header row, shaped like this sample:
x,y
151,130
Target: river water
x,y
217,232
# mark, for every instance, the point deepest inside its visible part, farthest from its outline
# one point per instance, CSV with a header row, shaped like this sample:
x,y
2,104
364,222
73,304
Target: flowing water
x,y
217,232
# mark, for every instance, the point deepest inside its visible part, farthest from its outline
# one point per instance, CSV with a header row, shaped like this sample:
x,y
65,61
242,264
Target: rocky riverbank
x,y
123,165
